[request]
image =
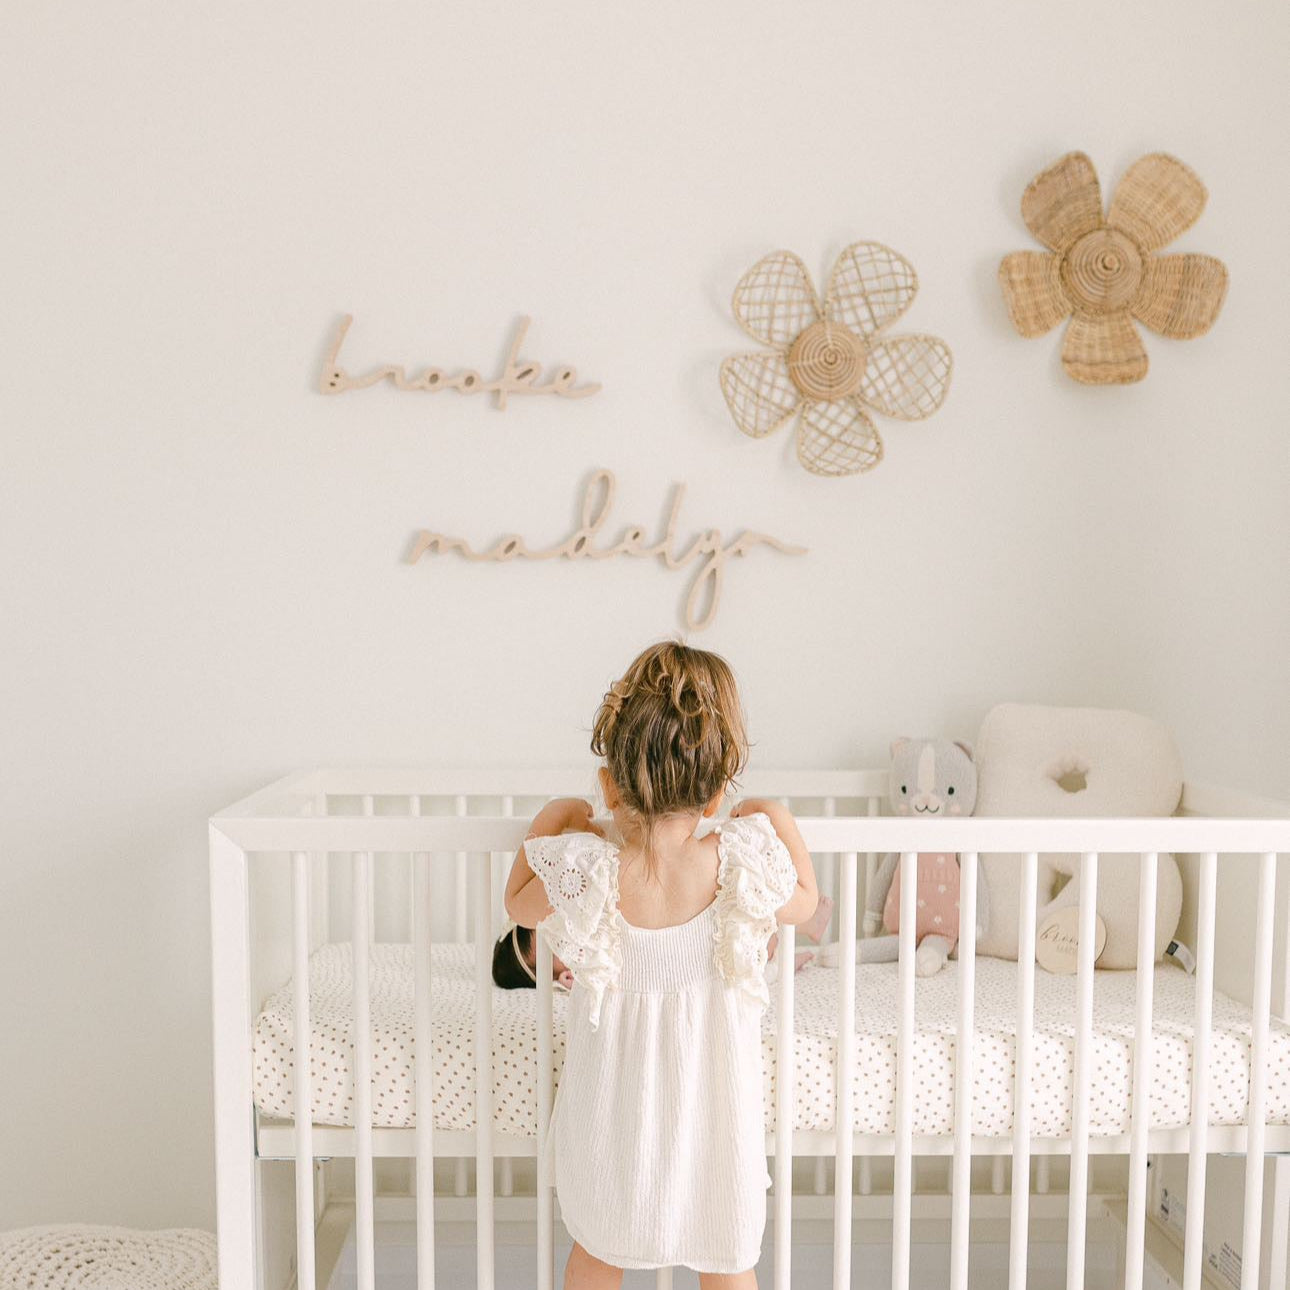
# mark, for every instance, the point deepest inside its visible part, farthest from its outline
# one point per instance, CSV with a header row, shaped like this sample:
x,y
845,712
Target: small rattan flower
x,y
829,363
1102,272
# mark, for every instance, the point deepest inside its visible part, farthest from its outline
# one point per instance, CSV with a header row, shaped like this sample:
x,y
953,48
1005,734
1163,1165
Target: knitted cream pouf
x,y
106,1258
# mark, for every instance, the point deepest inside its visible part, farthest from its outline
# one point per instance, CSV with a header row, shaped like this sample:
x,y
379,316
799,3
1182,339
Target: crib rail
x,y
360,815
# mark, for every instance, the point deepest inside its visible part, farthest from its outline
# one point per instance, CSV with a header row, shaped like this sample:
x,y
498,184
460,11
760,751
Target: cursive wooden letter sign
x,y
598,496
518,376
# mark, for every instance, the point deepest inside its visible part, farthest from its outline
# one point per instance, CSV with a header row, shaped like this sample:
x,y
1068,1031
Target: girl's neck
x,y
667,836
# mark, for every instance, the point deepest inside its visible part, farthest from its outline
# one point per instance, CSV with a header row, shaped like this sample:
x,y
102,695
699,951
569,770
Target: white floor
x,y
812,1265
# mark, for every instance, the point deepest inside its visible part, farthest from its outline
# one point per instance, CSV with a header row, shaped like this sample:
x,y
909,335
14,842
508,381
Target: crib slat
x,y
545,1080
483,1074
300,1056
965,1040
1252,1237
424,1047
784,1103
501,863
829,878
364,1198
1143,1055
871,857
1193,1254
1019,1233
460,893
903,1184
460,888
843,1110
414,811
1077,1224
322,861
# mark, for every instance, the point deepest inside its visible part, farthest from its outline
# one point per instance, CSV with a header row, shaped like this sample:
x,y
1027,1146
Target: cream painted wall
x,y
202,577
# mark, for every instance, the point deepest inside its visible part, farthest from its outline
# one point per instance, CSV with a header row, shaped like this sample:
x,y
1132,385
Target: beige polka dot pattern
x,y
815,1045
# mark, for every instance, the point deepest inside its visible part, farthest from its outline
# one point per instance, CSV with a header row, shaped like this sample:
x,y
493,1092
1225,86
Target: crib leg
x,y
663,1279
997,1175
235,1178
1279,1265
866,1176
821,1175
459,1178
508,1176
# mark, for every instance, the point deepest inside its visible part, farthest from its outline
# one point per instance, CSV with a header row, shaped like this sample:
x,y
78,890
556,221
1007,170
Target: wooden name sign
x,y
597,498
518,375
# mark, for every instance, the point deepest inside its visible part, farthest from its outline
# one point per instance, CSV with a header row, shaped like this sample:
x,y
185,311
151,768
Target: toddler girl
x,y
658,1133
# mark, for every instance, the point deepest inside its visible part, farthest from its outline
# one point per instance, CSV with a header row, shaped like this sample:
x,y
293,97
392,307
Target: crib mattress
x,y
815,1048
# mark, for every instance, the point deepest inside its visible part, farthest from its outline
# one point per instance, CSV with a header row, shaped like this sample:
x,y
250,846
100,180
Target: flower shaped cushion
x,y
1103,272
829,362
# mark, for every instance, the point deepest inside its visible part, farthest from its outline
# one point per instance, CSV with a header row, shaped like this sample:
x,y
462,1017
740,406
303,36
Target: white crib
x,y
418,857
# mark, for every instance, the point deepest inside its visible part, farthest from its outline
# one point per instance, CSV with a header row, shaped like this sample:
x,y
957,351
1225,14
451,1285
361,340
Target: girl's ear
x,y
608,789
714,806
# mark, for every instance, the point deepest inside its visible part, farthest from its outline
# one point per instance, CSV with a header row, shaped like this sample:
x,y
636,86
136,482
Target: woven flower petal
x,y
1181,294
907,376
1104,350
837,438
775,300
759,391
1064,202
870,286
1157,199
1032,290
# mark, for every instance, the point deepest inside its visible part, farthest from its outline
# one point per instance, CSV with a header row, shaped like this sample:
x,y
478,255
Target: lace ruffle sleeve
x,y
580,874
756,877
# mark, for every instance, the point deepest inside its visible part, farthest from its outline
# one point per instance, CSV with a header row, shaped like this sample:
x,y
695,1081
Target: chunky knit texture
x,y
658,1132
106,1258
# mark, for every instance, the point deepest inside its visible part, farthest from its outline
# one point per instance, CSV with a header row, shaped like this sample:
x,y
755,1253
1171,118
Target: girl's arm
x,y
806,896
525,898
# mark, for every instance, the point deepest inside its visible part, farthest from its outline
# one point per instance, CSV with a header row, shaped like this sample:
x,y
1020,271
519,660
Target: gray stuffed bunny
x,y
932,777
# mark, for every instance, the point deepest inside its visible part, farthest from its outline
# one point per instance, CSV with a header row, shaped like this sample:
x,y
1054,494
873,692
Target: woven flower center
x,y
827,361
1102,271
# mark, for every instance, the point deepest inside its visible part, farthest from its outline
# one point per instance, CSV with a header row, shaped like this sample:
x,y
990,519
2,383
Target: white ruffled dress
x,y
658,1133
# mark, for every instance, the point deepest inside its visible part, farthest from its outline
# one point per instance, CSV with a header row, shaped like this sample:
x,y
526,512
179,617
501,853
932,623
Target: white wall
x,y
203,586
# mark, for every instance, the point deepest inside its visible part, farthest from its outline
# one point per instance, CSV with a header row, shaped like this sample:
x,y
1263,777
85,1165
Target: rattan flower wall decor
x,y
830,363
1102,271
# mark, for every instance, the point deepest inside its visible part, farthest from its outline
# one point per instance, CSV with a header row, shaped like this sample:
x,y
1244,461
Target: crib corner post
x,y
235,1177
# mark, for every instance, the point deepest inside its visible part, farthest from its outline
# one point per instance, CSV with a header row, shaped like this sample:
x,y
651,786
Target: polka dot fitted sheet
x,y
815,1048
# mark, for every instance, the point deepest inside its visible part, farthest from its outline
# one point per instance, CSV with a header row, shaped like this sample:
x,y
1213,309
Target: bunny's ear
x,y
898,744
967,748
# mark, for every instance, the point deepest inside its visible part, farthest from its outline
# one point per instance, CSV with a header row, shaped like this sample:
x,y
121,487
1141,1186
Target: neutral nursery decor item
x,y
929,777
830,365
1068,763
103,1258
1102,271
709,547
518,375
1057,940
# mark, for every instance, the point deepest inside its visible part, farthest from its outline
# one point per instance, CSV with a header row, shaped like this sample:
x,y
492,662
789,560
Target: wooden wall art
x,y
518,375
830,363
1102,271
705,590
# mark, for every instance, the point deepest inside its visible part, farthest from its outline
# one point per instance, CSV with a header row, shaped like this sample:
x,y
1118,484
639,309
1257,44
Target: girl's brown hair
x,y
671,731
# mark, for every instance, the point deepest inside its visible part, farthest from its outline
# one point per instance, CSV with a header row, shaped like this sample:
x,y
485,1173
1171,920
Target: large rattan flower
x,y
1102,272
829,363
